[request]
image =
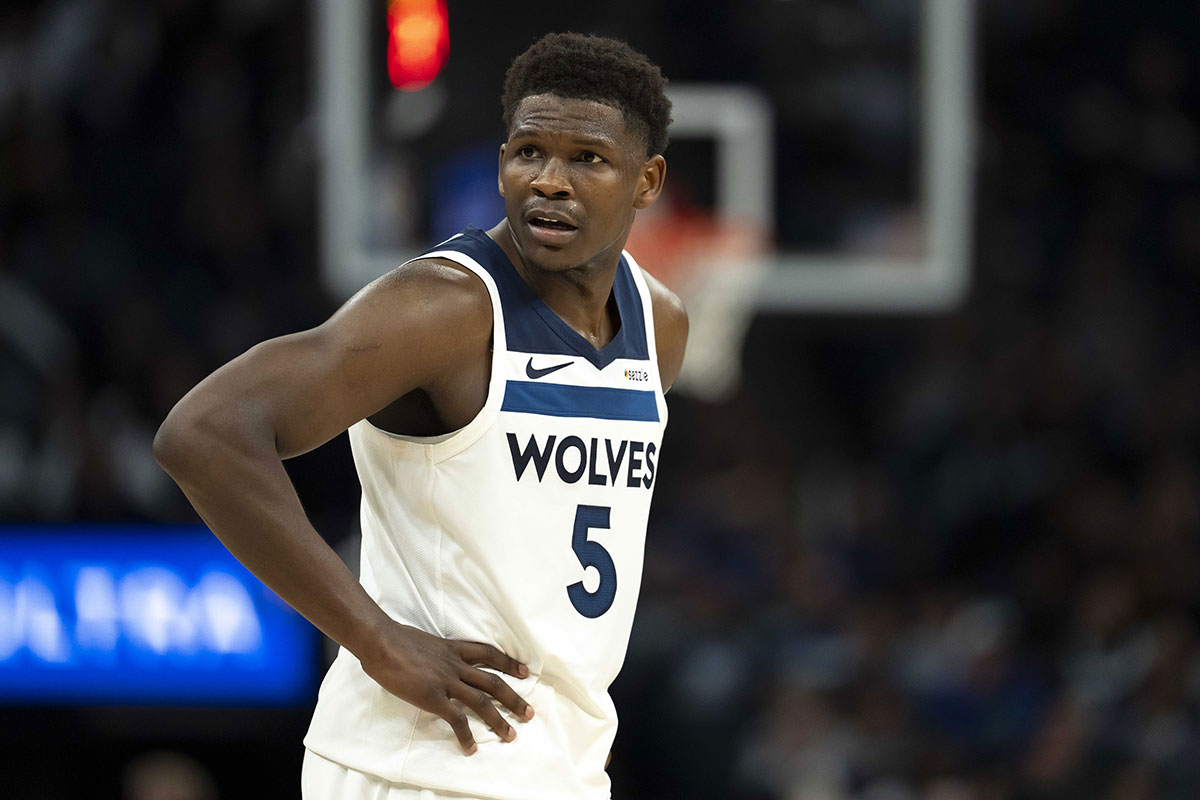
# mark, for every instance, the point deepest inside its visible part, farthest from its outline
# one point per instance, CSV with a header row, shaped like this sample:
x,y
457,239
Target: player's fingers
x,y
479,700
496,686
456,715
476,653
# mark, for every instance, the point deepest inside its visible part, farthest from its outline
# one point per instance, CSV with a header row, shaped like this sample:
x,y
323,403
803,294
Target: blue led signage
x,y
143,615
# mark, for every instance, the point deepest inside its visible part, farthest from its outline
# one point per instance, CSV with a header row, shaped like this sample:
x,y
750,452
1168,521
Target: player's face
x,y
572,174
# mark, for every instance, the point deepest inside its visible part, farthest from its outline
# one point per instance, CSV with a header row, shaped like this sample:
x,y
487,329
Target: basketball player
x,y
504,397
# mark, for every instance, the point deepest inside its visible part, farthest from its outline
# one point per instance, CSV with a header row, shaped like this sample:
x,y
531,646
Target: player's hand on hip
x,y
442,676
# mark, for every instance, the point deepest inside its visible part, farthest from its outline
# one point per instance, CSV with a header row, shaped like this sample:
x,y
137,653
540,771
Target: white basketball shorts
x,y
322,779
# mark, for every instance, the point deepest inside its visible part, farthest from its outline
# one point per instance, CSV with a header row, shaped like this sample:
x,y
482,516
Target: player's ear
x,y
500,170
650,181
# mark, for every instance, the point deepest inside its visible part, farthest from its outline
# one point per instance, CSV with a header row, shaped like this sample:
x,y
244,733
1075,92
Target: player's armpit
x,y
405,331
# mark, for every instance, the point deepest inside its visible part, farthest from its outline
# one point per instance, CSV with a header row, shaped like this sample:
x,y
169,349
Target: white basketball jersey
x,y
525,529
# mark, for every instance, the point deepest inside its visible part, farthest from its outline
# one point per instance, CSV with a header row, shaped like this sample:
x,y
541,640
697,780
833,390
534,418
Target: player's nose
x,y
552,180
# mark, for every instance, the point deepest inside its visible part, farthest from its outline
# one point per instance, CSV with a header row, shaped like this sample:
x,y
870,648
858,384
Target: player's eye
x,y
528,151
588,157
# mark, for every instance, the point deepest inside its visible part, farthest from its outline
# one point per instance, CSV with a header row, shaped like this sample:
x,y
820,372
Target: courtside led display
x,y
143,615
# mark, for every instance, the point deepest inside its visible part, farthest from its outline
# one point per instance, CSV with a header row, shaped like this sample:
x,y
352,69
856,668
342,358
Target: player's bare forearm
x,y
228,468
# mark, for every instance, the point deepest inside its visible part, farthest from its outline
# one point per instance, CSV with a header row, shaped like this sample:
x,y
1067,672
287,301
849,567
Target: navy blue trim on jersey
x,y
562,400
530,326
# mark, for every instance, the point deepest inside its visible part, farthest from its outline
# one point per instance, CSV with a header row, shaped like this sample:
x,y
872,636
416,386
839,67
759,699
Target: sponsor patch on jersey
x,y
639,375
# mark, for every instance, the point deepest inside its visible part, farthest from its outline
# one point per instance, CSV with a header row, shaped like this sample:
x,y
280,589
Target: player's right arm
x,y
224,443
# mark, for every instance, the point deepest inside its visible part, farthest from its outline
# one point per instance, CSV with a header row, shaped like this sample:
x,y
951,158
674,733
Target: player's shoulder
x,y
423,298
439,284
670,327
669,311
438,275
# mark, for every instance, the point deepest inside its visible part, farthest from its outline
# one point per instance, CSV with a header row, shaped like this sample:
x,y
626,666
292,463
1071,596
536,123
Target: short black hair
x,y
596,68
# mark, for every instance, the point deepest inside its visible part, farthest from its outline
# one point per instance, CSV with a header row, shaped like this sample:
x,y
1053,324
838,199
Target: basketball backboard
x,y
912,258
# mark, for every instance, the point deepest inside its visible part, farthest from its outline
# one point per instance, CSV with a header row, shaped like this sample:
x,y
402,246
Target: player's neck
x,y
580,296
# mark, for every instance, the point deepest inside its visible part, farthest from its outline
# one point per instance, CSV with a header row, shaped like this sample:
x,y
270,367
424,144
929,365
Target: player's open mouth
x,y
553,224
550,230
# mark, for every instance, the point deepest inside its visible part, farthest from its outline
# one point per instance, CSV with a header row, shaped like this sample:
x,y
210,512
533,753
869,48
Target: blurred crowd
x,y
953,557
958,558
156,207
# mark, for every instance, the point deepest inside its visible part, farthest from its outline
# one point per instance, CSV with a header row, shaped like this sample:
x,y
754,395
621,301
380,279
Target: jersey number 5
x,y
592,554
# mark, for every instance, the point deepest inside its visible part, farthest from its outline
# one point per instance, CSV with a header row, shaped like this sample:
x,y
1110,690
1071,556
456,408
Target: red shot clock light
x,y
418,42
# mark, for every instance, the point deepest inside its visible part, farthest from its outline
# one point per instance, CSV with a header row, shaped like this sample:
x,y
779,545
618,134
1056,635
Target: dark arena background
x,y
928,517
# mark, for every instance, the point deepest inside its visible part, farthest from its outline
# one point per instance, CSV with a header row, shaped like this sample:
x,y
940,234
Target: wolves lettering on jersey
x,y
524,529
573,454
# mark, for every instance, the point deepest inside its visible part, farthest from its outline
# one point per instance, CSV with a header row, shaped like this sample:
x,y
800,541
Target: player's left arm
x,y
670,329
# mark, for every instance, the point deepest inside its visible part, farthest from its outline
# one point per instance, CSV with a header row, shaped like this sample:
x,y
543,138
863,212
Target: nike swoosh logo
x,y
535,373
